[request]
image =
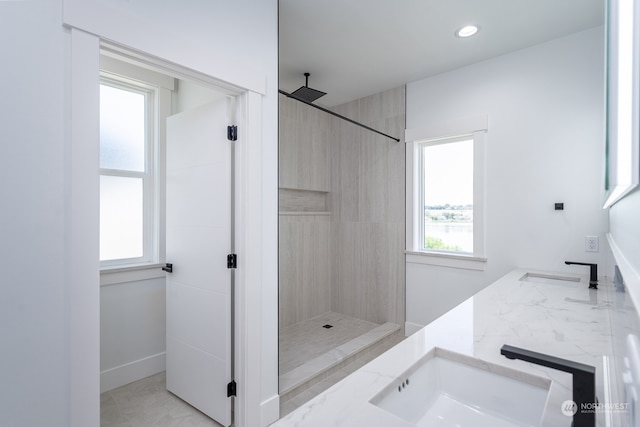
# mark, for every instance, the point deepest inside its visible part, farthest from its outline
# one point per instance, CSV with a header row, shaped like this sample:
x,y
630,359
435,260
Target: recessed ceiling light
x,y
467,31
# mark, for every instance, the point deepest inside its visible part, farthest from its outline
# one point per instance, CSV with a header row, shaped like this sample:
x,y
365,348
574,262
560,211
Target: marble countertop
x,y
568,321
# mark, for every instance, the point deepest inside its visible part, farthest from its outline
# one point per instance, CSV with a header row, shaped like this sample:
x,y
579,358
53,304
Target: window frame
x,y
123,69
420,183
474,128
150,226
162,87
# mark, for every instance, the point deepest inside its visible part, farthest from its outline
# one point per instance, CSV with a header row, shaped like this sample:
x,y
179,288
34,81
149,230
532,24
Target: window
x,y
445,183
446,195
128,224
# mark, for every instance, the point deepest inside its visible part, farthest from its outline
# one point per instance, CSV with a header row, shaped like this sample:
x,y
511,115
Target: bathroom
x,y
542,103
544,179
54,301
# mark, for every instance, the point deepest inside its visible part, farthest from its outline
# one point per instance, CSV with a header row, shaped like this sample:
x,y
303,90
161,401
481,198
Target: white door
x,y
199,346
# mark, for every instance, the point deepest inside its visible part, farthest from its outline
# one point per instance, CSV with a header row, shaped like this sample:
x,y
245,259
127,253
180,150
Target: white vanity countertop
x,y
567,321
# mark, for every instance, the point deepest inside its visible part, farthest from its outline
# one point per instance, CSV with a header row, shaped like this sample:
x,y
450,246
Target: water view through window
x,y
448,196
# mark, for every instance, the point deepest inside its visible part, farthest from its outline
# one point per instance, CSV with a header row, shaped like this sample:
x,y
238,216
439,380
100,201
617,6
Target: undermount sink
x,y
449,389
550,279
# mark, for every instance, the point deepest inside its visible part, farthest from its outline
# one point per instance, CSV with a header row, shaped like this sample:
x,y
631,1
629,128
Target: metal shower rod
x,y
339,116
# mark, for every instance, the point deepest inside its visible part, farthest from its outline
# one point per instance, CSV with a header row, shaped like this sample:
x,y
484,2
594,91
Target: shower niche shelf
x,y
304,213
295,201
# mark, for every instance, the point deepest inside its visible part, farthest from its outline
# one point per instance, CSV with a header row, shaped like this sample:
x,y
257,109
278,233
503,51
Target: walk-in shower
x,y
341,238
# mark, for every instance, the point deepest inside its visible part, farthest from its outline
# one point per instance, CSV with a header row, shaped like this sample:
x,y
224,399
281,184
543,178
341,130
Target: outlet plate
x,y
591,244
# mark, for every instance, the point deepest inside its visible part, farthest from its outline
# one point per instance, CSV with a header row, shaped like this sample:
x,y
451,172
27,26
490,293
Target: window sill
x,y
466,262
133,273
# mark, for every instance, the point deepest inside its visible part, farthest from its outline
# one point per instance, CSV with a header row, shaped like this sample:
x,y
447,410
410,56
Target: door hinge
x,y
232,133
231,389
232,260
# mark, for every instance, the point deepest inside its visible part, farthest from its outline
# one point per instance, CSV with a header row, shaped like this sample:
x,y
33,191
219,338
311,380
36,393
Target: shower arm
x,y
339,116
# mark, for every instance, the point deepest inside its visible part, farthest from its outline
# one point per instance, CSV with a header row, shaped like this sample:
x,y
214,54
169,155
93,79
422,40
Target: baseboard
x,y
269,410
130,372
411,328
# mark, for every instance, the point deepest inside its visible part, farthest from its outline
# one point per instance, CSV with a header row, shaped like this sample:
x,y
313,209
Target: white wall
x,y
190,95
34,365
545,144
132,331
36,362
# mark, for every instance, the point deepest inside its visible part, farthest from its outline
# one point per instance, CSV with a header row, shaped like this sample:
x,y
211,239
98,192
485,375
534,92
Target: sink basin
x,y
449,389
550,279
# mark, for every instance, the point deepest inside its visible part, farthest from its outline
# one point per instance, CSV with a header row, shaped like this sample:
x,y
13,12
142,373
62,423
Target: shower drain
x,y
327,326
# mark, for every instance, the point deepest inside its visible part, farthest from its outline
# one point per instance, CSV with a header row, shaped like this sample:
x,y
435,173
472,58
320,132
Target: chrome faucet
x,y
584,381
593,276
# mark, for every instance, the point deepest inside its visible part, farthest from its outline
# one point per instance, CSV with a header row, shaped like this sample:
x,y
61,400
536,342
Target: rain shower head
x,y
305,93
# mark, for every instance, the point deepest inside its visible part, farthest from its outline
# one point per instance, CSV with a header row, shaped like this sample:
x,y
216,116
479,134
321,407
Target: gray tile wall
x,y
367,201
303,146
304,238
350,261
305,264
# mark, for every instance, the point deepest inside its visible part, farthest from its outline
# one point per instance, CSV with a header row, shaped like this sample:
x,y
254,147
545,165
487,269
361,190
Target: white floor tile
x,y
147,403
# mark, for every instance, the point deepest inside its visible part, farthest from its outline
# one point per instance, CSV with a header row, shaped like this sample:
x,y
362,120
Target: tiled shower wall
x,y
341,228
367,201
304,223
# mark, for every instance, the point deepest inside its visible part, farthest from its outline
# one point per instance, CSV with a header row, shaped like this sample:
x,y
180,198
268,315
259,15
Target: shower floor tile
x,y
306,340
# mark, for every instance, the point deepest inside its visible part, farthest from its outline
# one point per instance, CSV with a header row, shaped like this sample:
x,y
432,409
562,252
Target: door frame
x,y
82,240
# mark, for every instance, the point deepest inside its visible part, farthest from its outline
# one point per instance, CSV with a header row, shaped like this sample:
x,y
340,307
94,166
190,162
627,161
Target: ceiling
x,y
355,48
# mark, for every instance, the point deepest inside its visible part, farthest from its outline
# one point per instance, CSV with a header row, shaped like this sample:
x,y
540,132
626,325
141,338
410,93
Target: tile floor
x,y
147,403
303,343
306,340
288,405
